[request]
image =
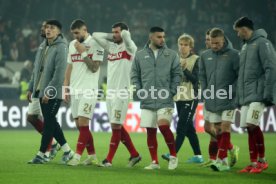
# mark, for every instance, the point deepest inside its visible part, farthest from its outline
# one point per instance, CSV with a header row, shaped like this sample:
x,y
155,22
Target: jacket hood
x,y
59,40
227,46
257,34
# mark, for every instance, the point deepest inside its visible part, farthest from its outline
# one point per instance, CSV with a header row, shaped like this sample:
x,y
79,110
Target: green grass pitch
x,y
18,147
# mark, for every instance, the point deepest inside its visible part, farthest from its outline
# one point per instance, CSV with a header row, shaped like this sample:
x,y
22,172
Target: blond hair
x,y
187,38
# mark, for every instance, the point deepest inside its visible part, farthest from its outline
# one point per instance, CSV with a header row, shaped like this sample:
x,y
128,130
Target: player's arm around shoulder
x,y
103,39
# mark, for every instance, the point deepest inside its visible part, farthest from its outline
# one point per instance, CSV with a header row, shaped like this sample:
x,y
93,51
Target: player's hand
x,y
184,64
29,96
45,99
80,47
66,98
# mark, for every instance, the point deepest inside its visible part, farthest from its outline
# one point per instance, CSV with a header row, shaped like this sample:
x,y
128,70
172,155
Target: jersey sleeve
x,y
98,52
129,43
103,40
69,59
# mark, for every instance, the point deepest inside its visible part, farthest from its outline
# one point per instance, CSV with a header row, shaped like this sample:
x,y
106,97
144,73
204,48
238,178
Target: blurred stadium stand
x,y
20,23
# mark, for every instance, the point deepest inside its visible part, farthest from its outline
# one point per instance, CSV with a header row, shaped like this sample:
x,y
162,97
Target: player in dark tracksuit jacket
x,y
219,68
255,87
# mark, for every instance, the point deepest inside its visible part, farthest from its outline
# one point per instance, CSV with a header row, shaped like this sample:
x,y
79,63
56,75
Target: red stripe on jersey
x,y
77,57
119,56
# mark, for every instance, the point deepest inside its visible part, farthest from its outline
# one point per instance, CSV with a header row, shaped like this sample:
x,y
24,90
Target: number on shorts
x,y
117,114
87,108
255,114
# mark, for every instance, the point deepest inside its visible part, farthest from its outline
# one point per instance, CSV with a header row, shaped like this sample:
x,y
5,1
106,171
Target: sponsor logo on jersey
x,y
119,56
100,52
78,58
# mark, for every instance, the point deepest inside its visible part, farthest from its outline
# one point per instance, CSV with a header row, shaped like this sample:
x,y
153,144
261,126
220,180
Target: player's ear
x,y
150,36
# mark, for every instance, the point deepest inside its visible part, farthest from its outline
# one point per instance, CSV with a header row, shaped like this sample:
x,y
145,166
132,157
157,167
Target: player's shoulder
x,y
94,43
262,41
234,51
206,53
170,51
72,43
141,52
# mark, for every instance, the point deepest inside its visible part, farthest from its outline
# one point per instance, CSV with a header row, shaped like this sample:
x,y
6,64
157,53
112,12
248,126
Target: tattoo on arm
x,y
93,66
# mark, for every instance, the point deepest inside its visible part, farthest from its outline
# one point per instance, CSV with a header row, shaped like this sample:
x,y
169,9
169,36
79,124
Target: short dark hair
x,y
208,31
244,22
55,23
76,24
122,25
216,32
156,29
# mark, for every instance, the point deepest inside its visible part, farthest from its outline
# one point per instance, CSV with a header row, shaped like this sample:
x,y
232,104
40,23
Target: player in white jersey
x,y
81,85
121,51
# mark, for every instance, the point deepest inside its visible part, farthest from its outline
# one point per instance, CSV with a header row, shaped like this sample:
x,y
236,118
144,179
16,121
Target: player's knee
x,y
116,126
226,127
217,126
32,118
83,121
163,122
251,127
209,128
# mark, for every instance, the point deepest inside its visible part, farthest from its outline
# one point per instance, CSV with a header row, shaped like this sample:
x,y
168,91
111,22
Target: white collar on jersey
x,y
87,39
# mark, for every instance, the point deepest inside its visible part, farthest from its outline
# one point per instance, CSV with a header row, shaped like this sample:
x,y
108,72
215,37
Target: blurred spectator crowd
x,y
20,20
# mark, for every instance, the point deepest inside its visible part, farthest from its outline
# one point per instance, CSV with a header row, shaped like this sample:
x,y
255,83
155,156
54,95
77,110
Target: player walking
x,y
121,51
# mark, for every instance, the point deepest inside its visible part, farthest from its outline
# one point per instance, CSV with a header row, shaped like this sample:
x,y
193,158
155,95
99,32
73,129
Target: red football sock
x,y
169,139
50,145
126,140
90,144
114,143
83,138
152,143
38,125
213,150
260,141
219,136
224,145
252,146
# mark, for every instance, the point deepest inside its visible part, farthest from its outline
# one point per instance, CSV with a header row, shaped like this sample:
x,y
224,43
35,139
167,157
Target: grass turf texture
x,y
18,147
